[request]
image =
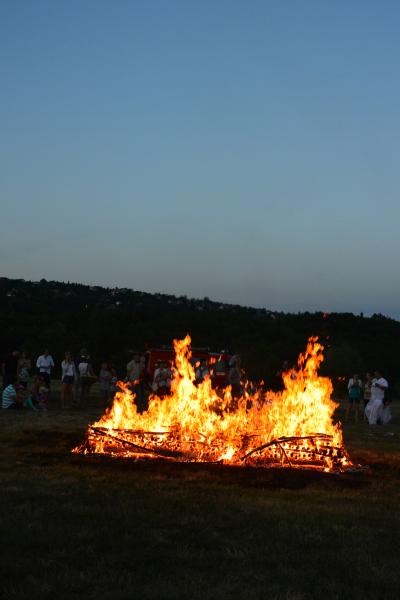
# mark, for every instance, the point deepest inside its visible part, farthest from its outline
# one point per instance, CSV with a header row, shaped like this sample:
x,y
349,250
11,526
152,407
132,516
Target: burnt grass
x,y
91,527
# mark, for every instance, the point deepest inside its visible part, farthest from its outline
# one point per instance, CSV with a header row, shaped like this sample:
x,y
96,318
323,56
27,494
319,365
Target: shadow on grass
x,y
158,469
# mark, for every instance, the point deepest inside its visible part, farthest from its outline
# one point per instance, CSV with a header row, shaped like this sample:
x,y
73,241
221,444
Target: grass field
x,y
95,527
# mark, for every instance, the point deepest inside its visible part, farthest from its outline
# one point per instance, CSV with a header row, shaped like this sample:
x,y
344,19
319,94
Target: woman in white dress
x,y
376,410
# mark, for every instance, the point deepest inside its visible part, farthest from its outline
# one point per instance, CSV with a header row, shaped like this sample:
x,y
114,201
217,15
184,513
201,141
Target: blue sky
x,y
245,151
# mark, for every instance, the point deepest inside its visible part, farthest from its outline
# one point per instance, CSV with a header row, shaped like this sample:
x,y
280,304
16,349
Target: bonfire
x,y
196,423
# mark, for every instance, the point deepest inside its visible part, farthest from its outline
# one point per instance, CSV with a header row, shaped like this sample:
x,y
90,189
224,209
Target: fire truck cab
x,y
218,362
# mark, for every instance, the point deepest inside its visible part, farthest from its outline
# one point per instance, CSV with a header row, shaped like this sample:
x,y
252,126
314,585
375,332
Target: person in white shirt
x,y
375,409
45,364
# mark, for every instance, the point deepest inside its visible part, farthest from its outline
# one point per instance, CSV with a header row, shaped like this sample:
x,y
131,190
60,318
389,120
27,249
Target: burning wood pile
x,y
195,423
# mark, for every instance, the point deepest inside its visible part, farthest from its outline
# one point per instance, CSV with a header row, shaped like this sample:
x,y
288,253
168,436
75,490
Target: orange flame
x,y
204,425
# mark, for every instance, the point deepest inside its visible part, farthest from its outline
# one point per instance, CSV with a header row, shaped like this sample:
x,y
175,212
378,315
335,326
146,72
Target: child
x,y
40,393
43,397
30,403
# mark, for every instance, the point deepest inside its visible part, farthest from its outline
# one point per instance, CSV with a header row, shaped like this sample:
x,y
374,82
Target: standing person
x,y
134,374
86,377
141,389
197,372
385,414
234,374
202,371
162,380
279,383
24,368
9,368
81,358
68,378
105,377
154,385
367,390
375,406
355,390
113,385
133,369
45,364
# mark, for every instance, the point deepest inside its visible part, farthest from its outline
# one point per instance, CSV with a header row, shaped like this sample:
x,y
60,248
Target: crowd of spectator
x,y
371,396
27,385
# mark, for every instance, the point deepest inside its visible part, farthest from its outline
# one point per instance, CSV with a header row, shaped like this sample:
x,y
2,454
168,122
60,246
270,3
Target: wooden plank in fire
x,y
158,451
282,440
133,431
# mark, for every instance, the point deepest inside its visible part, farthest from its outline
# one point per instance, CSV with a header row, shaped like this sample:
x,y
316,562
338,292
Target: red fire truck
x,y
218,361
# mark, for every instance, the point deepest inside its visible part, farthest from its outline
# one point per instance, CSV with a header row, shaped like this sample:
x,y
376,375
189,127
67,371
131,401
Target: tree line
x,y
112,321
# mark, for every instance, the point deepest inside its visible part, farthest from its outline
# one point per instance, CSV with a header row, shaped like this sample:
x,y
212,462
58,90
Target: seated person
x,y
12,397
24,399
30,403
39,397
43,398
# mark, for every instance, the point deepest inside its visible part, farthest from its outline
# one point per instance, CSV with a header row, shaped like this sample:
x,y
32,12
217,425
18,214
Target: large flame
x,y
196,422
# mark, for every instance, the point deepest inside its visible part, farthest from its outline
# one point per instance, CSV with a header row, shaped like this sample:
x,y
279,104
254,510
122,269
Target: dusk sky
x,y
244,151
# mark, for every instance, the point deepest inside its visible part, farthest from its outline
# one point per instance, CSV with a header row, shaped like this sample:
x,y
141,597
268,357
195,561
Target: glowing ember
x,y
196,423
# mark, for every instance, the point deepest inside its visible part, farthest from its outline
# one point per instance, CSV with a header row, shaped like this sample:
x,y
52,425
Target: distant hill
x,y
111,321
